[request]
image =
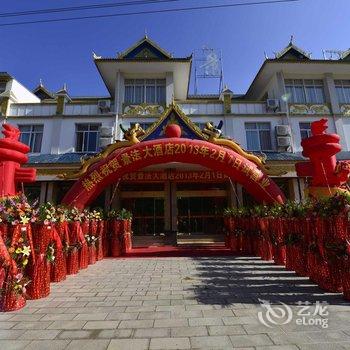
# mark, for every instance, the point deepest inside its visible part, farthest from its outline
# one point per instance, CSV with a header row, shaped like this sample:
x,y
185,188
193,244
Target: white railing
x,y
202,108
81,109
248,108
38,109
29,110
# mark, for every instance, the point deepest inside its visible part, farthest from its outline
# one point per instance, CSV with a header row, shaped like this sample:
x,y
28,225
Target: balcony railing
x,y
32,109
249,108
143,109
41,109
81,109
202,108
309,108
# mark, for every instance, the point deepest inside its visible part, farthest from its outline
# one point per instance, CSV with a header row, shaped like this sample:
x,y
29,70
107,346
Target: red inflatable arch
x,y
129,159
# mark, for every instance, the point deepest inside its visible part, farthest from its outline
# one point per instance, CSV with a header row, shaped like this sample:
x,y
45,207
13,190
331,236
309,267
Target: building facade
x,y
288,93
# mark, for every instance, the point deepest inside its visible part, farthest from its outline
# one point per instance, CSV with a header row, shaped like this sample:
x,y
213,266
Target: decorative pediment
x,y
292,52
145,49
174,115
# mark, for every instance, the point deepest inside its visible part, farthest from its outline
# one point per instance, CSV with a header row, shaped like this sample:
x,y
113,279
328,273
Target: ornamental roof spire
x,y
292,52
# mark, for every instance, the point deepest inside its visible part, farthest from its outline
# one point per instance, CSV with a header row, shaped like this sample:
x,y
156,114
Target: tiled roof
x,y
65,158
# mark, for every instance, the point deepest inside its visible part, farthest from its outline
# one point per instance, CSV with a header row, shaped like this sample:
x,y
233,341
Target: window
x,y
305,130
2,87
343,90
305,91
87,137
32,135
145,91
258,136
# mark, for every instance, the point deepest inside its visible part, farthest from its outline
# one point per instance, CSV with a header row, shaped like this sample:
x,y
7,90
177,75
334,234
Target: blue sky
x,y
61,52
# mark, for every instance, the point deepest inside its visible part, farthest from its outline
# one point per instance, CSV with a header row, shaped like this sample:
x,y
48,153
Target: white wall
x,y
47,133
67,130
22,94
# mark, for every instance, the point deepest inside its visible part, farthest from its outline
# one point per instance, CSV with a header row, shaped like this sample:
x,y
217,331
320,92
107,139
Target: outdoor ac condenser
x,y
283,141
283,130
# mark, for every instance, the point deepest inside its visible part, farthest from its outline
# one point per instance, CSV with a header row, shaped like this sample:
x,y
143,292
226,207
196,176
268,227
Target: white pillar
x,y
169,83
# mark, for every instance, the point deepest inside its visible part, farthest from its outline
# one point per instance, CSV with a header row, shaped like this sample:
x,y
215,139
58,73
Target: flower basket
x,y
72,261
100,234
39,271
83,256
39,274
58,267
127,242
92,254
11,301
116,246
13,287
106,238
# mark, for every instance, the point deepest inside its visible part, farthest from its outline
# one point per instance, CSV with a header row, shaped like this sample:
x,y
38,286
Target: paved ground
x,y
176,303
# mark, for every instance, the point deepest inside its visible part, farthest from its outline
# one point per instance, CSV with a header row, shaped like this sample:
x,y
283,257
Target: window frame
x,y
308,130
33,136
85,144
258,131
144,85
307,86
340,86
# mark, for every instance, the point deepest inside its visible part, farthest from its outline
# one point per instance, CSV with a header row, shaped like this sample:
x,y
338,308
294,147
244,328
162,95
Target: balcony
x,y
249,108
43,109
81,109
142,109
202,108
31,110
309,109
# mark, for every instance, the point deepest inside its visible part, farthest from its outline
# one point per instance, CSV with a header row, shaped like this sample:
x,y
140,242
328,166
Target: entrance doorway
x,y
173,212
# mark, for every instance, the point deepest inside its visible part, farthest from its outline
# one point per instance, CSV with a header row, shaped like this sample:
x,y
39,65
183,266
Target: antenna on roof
x,y
265,54
146,35
41,82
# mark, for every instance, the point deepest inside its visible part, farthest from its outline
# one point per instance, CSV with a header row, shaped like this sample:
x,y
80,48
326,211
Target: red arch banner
x,y
140,155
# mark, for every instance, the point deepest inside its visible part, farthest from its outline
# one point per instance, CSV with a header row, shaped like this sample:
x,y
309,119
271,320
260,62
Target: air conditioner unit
x,y
283,141
105,141
272,104
283,130
106,131
104,105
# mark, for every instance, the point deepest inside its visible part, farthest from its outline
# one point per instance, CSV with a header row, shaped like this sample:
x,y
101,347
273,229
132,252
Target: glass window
x,y
145,91
87,137
305,91
343,90
129,94
305,130
32,135
258,136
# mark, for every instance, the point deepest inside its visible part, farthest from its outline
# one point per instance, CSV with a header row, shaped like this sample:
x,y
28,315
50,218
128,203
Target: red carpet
x,y
173,251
